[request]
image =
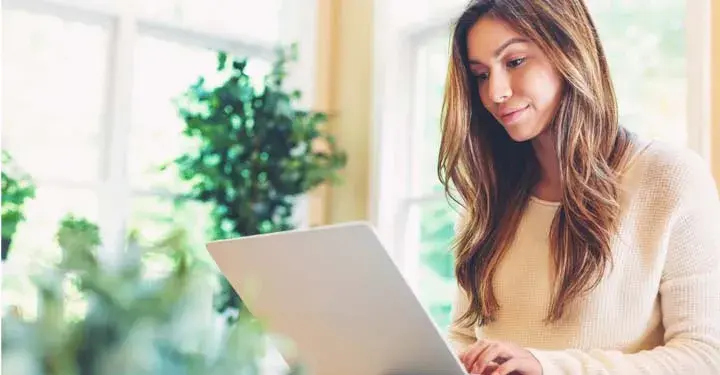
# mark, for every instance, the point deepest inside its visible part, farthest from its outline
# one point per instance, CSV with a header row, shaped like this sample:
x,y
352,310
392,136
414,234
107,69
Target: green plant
x,y
17,188
256,151
136,320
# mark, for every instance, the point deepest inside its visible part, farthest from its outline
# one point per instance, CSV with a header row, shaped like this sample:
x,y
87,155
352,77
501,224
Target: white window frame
x,y
395,69
297,20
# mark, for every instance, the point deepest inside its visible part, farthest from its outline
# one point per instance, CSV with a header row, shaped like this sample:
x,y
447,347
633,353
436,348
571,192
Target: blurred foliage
x,y
437,283
136,320
258,153
17,188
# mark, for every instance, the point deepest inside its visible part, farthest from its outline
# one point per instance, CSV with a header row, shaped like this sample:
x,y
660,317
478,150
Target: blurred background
x,y
133,131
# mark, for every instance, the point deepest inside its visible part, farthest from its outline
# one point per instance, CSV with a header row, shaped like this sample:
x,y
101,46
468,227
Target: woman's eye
x,y
516,62
482,76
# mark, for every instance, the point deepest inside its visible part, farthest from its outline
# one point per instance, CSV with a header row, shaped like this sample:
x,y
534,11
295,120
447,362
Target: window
x,y
47,58
88,109
430,221
651,82
653,85
54,76
229,17
154,117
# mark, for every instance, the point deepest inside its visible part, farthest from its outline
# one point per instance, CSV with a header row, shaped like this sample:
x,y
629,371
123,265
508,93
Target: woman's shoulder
x,y
671,161
672,171
668,155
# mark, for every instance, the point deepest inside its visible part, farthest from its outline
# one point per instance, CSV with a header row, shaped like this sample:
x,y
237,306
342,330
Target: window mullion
x,y
191,36
697,36
115,191
298,24
67,10
393,129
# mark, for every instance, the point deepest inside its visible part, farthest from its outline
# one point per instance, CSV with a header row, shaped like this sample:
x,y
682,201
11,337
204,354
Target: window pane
x,y
403,16
432,226
431,59
155,137
651,82
54,78
259,20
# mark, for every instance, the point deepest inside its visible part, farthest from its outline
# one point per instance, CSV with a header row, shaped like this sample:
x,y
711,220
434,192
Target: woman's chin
x,y
520,134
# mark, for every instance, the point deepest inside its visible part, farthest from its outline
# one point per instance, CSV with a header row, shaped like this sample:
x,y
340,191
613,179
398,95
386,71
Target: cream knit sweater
x,y
656,313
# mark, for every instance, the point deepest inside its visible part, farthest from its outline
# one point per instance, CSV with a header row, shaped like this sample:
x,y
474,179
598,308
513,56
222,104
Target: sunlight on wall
x,y
344,89
715,118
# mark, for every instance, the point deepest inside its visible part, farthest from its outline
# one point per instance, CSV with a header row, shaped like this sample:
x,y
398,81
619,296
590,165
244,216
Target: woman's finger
x,y
488,356
513,364
472,356
488,370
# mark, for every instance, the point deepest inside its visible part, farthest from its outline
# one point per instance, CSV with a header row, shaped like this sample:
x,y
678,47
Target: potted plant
x,y
17,188
256,151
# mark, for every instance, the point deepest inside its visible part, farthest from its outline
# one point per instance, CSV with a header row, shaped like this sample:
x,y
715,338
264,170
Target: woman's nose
x,y
500,90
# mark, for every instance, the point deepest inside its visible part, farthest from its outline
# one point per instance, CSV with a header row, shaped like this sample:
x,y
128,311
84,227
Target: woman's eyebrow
x,y
508,43
500,49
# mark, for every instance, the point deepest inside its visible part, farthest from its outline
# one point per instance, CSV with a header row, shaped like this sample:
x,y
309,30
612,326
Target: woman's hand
x,y
499,358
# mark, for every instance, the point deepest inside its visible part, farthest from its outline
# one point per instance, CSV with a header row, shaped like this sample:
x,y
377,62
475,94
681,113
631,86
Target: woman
x,y
583,249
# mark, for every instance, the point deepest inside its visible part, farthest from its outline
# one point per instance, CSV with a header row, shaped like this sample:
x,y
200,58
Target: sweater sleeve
x,y
689,293
460,336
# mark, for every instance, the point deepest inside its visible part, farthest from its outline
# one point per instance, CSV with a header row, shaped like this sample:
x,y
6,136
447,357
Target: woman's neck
x,y
549,187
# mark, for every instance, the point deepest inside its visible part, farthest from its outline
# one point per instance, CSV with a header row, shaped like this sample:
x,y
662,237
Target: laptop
x,y
336,295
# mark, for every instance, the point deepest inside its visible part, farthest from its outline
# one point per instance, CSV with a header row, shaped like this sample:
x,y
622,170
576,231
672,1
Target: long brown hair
x,y
494,175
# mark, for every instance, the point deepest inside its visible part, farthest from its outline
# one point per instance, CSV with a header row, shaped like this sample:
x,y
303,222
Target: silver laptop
x,y
336,294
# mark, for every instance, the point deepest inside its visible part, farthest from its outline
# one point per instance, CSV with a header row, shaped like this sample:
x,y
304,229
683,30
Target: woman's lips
x,y
513,115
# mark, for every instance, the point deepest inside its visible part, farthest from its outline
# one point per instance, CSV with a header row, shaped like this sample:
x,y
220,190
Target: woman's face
x,y
517,83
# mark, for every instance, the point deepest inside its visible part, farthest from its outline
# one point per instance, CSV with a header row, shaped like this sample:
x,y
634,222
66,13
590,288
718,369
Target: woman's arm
x,y
689,292
460,337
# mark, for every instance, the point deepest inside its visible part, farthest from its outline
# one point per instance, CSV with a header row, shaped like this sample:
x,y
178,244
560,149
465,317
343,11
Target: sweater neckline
x,y
544,202
643,146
